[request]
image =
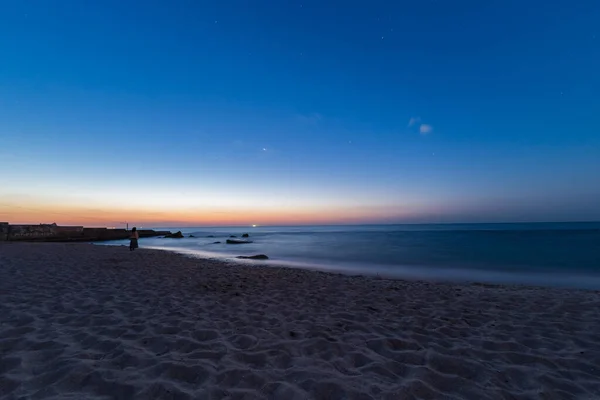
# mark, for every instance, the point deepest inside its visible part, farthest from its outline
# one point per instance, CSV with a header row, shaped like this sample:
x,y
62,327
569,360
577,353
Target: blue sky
x,y
300,111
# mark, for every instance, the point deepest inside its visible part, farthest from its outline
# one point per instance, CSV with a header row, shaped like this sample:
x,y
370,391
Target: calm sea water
x,y
557,254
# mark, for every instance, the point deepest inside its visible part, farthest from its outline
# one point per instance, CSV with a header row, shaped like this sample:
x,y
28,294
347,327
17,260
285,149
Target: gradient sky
x,y
285,112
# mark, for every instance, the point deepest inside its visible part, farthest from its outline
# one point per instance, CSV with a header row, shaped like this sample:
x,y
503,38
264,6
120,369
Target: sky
x,y
195,113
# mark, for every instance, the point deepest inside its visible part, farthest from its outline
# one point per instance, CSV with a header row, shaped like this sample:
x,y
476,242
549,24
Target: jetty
x,y
57,233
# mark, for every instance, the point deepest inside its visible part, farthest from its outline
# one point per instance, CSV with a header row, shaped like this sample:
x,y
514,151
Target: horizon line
x,y
389,223
325,225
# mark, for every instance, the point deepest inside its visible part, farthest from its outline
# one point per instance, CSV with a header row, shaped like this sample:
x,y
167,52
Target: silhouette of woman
x,y
133,239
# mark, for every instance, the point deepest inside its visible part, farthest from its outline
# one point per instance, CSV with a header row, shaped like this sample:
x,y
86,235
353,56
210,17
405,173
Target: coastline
x,y
96,321
551,255
556,279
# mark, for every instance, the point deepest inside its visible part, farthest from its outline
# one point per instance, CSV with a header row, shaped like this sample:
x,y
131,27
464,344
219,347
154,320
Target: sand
x,y
79,321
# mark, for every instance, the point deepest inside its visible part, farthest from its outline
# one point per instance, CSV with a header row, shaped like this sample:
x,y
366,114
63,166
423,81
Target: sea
x,y
546,254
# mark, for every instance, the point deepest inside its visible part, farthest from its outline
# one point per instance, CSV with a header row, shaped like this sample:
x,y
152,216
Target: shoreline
x,y
89,320
232,261
454,276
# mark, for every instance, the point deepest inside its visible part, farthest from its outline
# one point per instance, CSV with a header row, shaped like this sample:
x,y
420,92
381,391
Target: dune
x,y
97,322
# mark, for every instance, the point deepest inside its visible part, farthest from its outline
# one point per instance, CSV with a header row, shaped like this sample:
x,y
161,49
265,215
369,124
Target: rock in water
x,y
256,257
216,242
232,236
176,235
192,236
237,241
245,235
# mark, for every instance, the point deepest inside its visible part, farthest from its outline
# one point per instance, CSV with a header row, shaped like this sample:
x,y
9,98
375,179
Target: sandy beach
x,y
80,321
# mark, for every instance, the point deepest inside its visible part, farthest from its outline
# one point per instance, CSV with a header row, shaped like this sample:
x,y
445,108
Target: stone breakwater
x,y
56,233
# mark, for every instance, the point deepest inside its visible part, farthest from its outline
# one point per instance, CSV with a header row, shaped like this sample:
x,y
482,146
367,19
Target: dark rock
x,y
191,236
216,242
237,241
232,236
245,235
256,257
176,235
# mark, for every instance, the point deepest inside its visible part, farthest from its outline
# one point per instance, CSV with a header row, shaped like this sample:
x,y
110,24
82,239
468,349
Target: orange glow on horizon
x,y
193,217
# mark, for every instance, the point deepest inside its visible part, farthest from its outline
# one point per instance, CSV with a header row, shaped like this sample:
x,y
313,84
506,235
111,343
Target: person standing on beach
x,y
133,239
